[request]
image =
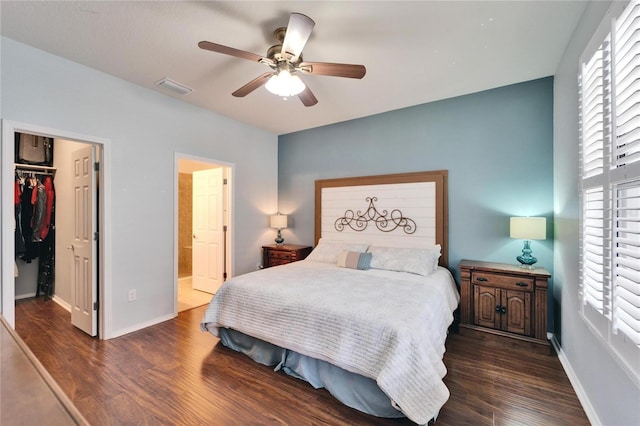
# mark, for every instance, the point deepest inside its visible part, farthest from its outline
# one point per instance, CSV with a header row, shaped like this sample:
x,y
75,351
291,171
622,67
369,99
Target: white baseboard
x,y
577,386
62,303
24,296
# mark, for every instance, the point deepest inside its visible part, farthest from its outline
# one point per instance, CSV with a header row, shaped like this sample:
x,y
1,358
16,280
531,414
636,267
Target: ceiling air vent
x,y
174,86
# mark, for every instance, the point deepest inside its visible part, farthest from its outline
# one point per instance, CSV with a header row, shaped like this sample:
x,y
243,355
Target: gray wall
x,y
497,146
145,129
615,400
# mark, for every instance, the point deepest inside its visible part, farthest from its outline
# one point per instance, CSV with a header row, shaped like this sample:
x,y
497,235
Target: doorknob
x,y
194,236
71,247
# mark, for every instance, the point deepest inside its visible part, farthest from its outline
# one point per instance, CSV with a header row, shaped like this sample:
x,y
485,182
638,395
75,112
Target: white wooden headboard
x,y
399,210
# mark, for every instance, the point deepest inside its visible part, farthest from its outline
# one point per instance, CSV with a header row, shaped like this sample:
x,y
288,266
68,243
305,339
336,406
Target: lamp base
x,y
279,240
526,260
527,267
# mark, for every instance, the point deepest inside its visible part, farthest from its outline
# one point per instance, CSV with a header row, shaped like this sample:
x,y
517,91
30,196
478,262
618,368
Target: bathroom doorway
x,y
203,212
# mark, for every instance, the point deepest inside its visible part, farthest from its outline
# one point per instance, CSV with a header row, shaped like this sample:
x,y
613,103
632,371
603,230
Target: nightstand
x,y
504,299
274,255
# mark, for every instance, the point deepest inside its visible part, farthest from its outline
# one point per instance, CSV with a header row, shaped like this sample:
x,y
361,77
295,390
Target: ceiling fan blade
x,y
335,70
214,47
252,85
298,32
307,97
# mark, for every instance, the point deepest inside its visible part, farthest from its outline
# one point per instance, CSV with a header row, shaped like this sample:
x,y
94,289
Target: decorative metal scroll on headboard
x,y
359,221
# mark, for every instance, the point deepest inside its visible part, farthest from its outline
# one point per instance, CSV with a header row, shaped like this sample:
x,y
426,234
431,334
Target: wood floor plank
x,y
173,373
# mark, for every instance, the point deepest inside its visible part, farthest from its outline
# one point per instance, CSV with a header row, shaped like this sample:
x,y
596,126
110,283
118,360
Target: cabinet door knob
x,y
482,279
521,284
498,307
503,309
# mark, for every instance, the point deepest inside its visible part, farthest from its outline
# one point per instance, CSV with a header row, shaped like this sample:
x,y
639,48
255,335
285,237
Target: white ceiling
x,y
415,51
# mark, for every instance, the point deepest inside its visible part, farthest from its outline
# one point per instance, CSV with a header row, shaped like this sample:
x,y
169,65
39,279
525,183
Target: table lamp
x,y
279,222
528,228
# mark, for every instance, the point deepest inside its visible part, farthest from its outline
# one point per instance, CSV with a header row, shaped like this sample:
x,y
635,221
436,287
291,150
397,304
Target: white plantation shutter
x,y
626,312
595,121
592,106
627,86
593,249
609,85
625,176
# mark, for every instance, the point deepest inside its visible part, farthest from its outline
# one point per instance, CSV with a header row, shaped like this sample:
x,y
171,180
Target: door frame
x,y
9,128
228,217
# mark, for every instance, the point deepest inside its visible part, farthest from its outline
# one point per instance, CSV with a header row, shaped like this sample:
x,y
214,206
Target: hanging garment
x,y
26,213
19,239
50,196
46,265
39,202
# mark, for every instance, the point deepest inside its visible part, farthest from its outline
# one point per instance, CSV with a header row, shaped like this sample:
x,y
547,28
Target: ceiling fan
x,y
285,61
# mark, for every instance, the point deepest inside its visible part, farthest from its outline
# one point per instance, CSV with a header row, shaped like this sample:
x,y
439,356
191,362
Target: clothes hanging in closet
x,y
19,239
48,213
39,203
47,246
25,217
34,213
35,218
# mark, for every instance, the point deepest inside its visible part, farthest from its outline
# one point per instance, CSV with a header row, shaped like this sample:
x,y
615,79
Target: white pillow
x,y
414,260
327,250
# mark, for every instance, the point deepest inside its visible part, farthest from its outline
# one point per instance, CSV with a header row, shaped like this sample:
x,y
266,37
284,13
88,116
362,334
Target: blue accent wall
x,y
497,146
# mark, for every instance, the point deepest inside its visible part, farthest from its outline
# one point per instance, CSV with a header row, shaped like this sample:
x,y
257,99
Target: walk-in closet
x,y
55,215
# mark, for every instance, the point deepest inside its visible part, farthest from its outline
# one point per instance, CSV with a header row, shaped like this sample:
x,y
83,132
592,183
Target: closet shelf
x,y
34,168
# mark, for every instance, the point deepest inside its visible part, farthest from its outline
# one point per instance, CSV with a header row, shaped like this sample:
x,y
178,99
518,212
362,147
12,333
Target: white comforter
x,y
389,326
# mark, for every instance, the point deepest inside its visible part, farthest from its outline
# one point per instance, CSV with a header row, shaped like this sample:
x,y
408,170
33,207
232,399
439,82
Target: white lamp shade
x,y
279,221
528,228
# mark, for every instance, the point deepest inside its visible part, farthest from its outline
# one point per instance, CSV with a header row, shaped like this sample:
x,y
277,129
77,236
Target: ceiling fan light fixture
x,y
284,84
286,63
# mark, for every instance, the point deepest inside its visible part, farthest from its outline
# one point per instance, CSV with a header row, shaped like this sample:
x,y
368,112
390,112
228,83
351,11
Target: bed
x,y
366,314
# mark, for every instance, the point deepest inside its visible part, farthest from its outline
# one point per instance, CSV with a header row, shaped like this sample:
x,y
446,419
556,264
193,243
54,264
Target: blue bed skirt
x,y
353,390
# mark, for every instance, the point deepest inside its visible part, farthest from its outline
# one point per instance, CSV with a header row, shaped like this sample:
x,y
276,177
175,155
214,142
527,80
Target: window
x,y
609,84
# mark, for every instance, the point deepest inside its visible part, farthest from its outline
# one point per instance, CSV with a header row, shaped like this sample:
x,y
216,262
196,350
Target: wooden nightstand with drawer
x,y
504,299
274,255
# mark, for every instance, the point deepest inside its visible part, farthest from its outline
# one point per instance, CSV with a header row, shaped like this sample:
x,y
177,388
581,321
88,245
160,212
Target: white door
x,y
208,235
84,313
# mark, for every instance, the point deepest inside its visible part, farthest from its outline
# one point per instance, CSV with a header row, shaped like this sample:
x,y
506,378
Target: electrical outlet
x,y
132,295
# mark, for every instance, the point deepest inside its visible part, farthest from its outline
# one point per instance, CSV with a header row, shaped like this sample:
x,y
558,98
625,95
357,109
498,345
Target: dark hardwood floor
x,y
173,373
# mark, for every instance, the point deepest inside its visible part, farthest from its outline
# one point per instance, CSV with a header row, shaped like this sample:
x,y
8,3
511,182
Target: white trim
x,y
9,128
575,382
604,340
24,296
62,303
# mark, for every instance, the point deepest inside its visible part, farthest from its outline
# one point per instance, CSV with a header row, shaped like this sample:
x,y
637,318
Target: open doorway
x,y
203,231
16,282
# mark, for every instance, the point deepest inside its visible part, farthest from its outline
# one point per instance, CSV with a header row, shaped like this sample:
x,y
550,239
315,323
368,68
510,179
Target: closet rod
x,y
40,170
32,167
